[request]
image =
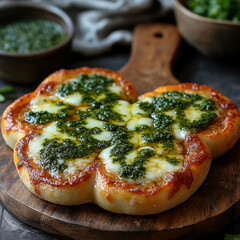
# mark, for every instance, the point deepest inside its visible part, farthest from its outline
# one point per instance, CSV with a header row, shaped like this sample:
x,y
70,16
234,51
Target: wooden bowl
x,y
35,66
215,38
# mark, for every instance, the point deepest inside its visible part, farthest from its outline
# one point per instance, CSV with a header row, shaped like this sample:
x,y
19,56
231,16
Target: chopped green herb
x,y
168,104
55,153
44,117
6,90
182,95
172,160
146,107
162,121
217,9
110,126
206,105
121,149
106,113
156,136
90,87
232,237
136,170
142,128
30,35
203,122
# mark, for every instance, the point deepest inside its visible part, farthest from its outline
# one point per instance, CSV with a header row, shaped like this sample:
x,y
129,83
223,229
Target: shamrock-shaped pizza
x,y
84,136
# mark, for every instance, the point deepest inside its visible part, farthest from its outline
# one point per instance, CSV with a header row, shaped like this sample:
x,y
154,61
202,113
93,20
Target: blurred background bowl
x,y
214,38
32,67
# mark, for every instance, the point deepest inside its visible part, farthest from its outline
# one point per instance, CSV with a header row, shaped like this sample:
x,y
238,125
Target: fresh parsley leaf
x,y
4,91
232,237
217,9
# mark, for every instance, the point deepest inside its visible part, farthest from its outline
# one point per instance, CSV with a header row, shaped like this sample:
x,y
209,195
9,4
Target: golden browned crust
x,y
118,196
224,132
95,183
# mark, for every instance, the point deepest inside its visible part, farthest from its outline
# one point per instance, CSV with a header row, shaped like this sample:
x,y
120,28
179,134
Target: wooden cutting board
x,y
213,206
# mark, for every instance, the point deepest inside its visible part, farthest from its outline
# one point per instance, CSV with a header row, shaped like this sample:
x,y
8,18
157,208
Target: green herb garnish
x,y
232,237
30,35
217,9
4,91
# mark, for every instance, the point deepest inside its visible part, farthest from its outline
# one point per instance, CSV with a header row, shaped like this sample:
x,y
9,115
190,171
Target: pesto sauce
x,y
55,153
90,87
136,170
43,117
206,105
203,122
83,134
172,160
146,107
160,132
30,35
157,136
162,121
142,128
120,139
104,113
178,102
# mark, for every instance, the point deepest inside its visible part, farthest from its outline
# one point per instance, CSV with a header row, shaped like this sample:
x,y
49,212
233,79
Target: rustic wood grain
x,y
213,206
154,51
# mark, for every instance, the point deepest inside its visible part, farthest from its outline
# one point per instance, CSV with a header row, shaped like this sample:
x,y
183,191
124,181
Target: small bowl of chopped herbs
x,y
211,26
35,40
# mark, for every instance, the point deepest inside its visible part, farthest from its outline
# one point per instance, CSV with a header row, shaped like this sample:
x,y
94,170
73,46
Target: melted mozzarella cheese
x,y
171,114
103,135
193,113
134,139
130,157
123,108
79,164
50,131
156,167
71,80
137,111
178,132
136,122
115,89
45,103
101,97
106,157
147,99
74,99
92,123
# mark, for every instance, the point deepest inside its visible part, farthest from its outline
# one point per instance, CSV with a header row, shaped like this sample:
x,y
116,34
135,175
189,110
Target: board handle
x,y
153,54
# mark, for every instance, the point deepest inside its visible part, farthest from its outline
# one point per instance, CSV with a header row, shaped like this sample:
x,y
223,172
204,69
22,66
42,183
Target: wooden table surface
x,y
223,75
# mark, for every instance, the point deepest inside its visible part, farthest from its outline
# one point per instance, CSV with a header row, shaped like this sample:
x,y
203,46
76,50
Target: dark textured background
x,y
224,75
